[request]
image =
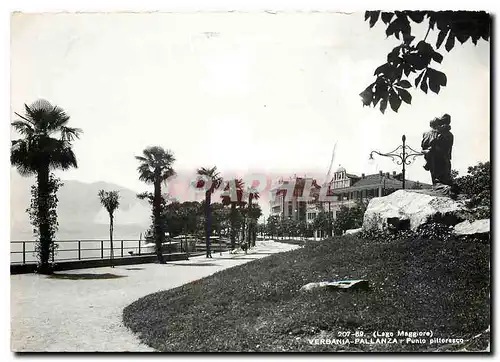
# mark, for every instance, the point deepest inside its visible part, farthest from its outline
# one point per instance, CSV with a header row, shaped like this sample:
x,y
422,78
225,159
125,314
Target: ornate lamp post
x,y
402,155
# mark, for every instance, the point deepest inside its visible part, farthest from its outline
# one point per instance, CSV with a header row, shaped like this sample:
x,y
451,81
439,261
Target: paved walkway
x,y
56,315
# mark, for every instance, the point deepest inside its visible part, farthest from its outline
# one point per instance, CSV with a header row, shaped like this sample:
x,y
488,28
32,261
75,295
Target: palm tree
x,y
215,181
228,198
156,167
111,201
253,194
45,144
254,213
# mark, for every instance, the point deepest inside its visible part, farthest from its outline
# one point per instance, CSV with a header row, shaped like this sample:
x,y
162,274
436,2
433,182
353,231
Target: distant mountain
x,y
80,213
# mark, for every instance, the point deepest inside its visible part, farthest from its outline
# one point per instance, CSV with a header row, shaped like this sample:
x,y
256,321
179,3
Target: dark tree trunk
x,y
112,253
158,229
243,227
233,225
249,232
45,266
249,223
208,221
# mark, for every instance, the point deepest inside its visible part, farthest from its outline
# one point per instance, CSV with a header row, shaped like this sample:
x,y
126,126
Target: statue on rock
x,y
436,147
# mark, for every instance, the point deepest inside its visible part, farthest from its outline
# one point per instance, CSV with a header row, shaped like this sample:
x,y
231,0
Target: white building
x,y
346,188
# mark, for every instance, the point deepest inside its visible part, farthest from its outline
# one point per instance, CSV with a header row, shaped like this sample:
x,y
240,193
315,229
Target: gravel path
x,y
86,315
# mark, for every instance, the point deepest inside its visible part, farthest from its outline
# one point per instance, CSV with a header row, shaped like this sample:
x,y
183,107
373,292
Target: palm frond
x,y
145,173
155,162
27,119
70,134
57,119
110,200
24,128
61,155
145,195
142,159
22,158
213,175
37,149
168,173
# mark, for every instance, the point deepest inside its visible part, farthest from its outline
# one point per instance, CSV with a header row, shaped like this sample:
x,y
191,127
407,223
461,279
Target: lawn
x,y
415,285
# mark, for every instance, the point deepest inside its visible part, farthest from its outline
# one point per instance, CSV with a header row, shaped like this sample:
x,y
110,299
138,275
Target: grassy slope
x,y
416,285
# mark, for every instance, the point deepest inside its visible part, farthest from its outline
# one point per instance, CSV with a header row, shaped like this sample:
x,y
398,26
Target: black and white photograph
x,y
250,181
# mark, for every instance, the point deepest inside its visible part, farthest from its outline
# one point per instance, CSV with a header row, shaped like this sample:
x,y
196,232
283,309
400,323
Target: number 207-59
x,y
348,333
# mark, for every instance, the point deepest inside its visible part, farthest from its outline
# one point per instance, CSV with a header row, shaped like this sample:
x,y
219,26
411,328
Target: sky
x,y
247,92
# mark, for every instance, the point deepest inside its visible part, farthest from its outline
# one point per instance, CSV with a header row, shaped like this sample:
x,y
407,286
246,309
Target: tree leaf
x,y
437,57
395,101
416,16
380,91
462,38
383,105
441,37
404,84
394,27
424,48
432,21
418,61
405,95
450,42
433,84
436,80
367,95
383,69
419,78
407,39
386,17
438,77
423,85
373,17
376,98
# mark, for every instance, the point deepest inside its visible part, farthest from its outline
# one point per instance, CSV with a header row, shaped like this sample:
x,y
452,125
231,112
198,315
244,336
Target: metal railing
x,y
23,251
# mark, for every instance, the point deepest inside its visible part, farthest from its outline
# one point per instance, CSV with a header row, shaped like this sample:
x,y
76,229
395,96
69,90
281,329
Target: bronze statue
x,y
436,147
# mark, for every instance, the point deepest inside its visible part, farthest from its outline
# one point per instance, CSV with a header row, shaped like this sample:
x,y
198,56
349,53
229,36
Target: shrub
x,y
434,231
476,186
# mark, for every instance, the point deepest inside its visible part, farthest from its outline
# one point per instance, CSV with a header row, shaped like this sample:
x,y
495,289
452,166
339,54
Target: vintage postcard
x,y
260,181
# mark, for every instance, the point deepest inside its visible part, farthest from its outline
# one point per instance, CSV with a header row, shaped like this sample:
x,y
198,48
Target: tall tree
x,y
254,213
214,179
111,201
46,144
155,168
253,194
322,222
272,225
411,60
349,217
220,220
233,196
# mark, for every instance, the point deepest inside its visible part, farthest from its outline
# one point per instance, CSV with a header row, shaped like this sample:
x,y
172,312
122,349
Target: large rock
x,y
406,209
476,227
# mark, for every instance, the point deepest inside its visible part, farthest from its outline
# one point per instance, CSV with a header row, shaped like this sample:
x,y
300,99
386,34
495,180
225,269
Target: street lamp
x,y
400,156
